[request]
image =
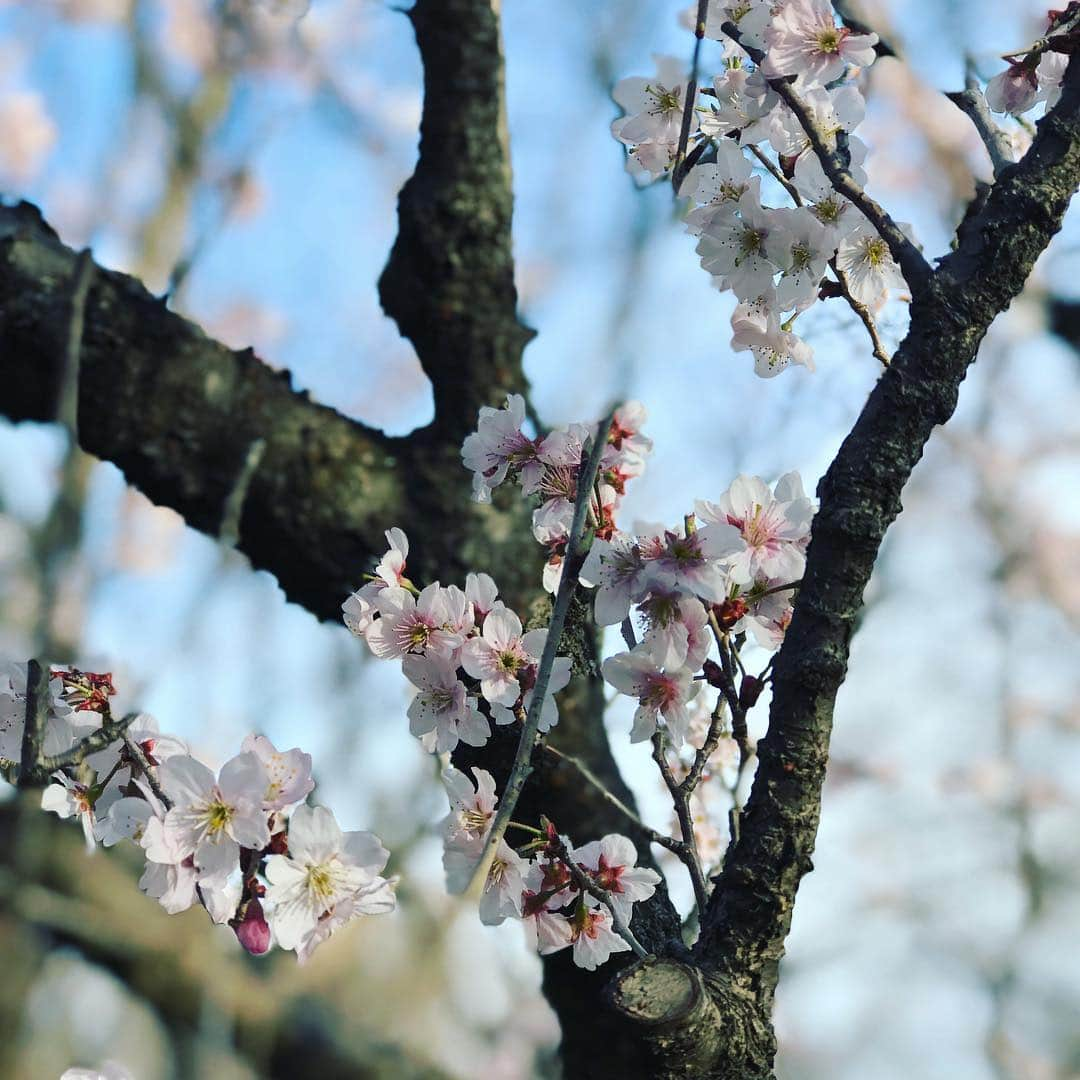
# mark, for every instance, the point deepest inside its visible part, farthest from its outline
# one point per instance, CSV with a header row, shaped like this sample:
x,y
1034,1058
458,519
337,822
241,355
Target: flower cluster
x,y
548,468
242,843
542,885
734,572
774,259
464,651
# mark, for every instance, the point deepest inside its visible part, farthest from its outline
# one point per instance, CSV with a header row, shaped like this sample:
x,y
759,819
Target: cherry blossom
x,y
360,608
593,936
743,100
504,887
690,563
1014,90
803,252
657,690
677,634
610,863
737,249
288,772
67,798
413,625
464,829
323,868
619,572
718,187
496,446
773,528
482,592
442,713
752,17
871,271
211,819
804,40
499,656
654,110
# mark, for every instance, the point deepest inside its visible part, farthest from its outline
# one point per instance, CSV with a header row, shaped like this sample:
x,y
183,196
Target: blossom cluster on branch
x,y
548,891
694,591
774,259
242,843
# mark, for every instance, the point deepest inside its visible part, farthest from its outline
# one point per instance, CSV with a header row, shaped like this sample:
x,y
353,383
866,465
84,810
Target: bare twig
x,y
972,103
691,94
572,560
681,799
135,751
863,313
109,732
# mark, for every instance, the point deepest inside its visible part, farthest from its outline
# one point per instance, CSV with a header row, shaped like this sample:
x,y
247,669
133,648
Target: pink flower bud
x,y
252,931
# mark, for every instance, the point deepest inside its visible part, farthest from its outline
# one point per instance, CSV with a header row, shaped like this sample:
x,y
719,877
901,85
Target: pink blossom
x,y
758,331
211,818
743,100
323,868
805,41
594,936
736,249
620,574
497,445
610,863
500,654
653,106
482,592
464,829
1014,90
288,772
360,608
66,798
407,625
637,675
442,713
871,271
691,564
773,529
504,886
677,629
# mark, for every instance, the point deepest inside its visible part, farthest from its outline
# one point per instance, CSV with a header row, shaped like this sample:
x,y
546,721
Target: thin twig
x,y
863,312
691,95
590,777
572,560
109,732
972,103
135,751
914,267
628,635
776,174
689,855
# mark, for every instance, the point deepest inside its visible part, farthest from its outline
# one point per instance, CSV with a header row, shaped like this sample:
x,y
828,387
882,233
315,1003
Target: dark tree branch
x,y
449,283
748,918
